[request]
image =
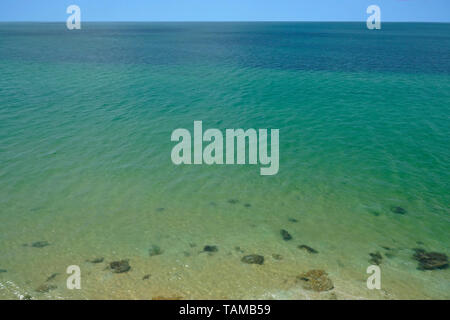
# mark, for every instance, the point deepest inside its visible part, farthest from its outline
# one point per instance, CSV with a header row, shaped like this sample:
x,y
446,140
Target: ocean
x,y
86,118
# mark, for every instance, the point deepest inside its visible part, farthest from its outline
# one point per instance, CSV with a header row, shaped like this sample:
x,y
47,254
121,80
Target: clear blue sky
x,y
225,10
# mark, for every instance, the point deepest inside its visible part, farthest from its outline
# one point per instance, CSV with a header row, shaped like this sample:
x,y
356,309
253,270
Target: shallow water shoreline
x,y
86,172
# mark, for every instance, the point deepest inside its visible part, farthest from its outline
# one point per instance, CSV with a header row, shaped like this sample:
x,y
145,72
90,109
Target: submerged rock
x,y
292,220
53,276
316,280
375,258
286,236
430,260
277,256
247,205
238,249
40,244
374,212
233,201
146,277
43,288
3,270
208,248
120,266
96,260
253,259
154,251
308,248
398,210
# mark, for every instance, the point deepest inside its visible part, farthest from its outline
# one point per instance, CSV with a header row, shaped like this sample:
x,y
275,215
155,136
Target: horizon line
x,y
211,21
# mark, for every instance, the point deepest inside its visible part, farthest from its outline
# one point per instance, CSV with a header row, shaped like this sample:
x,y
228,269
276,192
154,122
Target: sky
x,y
225,10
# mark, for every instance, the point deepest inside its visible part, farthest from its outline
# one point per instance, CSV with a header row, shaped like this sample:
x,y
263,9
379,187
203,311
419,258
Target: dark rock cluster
x,y
154,251
209,248
308,249
37,244
253,259
285,235
120,266
316,280
375,258
52,277
430,260
398,210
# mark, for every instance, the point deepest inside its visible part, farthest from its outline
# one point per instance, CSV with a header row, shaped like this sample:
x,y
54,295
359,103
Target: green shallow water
x,y
85,125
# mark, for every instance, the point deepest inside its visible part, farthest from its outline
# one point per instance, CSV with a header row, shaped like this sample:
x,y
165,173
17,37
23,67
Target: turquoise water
x,y
85,124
